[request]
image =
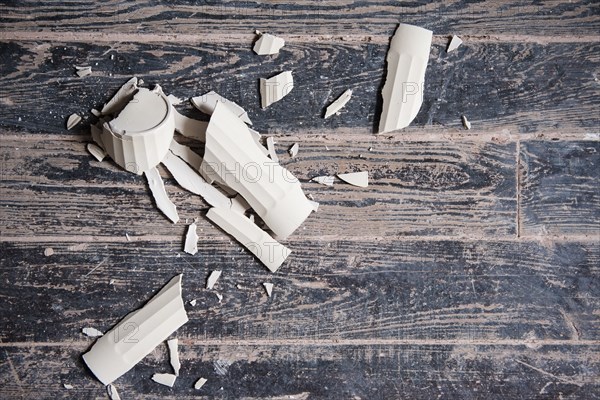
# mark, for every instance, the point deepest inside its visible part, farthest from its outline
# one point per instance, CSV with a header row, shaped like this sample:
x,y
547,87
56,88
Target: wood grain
x,y
502,87
361,17
560,188
430,188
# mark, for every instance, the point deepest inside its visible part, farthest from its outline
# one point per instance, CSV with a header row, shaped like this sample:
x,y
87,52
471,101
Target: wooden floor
x,y
468,269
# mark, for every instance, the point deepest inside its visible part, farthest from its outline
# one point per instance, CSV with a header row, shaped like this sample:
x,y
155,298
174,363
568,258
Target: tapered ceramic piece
x,y
275,88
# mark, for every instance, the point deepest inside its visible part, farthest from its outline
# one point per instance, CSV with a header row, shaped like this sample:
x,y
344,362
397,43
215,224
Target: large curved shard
x,y
137,334
405,81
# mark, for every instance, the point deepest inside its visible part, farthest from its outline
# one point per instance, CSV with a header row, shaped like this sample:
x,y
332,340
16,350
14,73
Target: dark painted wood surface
x,y
468,269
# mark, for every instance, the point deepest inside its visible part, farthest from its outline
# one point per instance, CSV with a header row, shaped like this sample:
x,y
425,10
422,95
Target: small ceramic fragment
x,y
199,383
294,150
360,179
219,296
272,191
270,252
271,148
72,121
67,386
338,104
95,112
268,44
454,43
137,334
324,180
208,101
275,88
212,279
405,81
174,355
165,379
191,240
112,392
466,122
91,332
193,302
48,251
83,71
269,288
122,97
160,195
96,151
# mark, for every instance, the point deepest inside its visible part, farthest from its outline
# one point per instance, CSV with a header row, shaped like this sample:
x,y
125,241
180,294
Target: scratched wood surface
x,y
469,268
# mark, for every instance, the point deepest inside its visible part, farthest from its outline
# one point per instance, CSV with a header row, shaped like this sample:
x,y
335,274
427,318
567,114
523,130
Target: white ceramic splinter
x,y
140,136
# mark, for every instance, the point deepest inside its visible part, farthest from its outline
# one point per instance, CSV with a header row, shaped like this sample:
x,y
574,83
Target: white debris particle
x,y
72,121
83,71
454,43
212,279
199,383
466,122
269,288
193,302
191,240
48,251
67,386
128,238
91,332
219,296
174,355
165,379
324,180
294,150
112,392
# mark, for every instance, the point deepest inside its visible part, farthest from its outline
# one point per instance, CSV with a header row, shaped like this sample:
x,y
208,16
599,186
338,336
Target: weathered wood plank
x,y
503,87
317,372
432,188
560,188
519,292
366,17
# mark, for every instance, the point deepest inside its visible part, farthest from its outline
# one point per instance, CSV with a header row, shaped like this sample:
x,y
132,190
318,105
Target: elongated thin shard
x,y
165,379
324,180
191,180
160,195
466,122
268,288
271,253
454,43
271,148
212,279
275,88
174,355
186,154
199,383
338,104
91,332
403,89
360,179
272,191
268,44
137,334
83,71
294,150
208,101
72,121
191,240
122,97
95,150
112,392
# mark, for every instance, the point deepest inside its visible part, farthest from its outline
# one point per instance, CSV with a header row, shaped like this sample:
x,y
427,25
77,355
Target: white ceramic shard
x,y
324,180
137,334
95,150
186,154
191,180
91,332
360,179
199,383
165,379
272,191
275,88
67,386
122,97
208,101
219,296
268,44
268,288
140,136
294,150
454,43
271,148
72,121
112,392
212,279
160,195
190,127
271,253
338,104
405,82
174,355
193,302
191,240
466,122
48,251
83,71
95,112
